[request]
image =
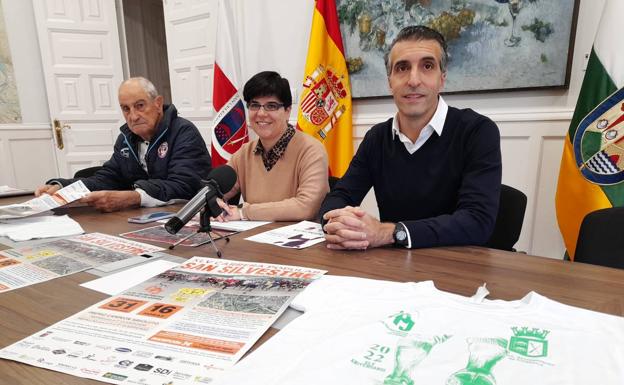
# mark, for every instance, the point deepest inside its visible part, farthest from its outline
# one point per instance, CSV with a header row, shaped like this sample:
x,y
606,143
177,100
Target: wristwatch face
x,y
400,235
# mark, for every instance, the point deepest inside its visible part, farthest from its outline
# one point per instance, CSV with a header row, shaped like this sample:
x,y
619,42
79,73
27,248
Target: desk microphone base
x,y
204,227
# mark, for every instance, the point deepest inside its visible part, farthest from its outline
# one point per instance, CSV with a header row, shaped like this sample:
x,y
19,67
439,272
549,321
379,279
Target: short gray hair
x,y
418,33
147,86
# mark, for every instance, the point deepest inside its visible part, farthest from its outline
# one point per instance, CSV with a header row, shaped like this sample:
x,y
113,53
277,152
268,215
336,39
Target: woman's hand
x,y
230,213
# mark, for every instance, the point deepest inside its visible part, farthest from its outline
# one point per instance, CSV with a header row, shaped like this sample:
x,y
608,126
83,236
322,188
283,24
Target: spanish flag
x,y
592,166
325,104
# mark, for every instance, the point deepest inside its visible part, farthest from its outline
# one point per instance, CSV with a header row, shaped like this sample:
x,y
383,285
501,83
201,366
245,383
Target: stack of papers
x,y
8,191
48,226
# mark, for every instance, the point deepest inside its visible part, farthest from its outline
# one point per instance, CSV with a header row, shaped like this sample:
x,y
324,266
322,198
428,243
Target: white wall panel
x,y
25,154
103,94
191,40
543,230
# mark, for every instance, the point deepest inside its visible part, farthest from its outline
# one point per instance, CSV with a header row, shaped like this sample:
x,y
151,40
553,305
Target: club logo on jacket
x,y
125,152
162,150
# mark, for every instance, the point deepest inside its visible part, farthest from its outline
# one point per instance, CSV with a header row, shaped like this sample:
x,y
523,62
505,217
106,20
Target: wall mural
x,y
493,44
9,103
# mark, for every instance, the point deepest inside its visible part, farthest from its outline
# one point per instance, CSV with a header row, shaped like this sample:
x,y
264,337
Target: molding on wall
x,y
497,116
530,116
26,126
510,123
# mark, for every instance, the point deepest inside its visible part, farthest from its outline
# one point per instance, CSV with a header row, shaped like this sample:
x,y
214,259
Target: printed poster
x,y
45,261
184,326
160,234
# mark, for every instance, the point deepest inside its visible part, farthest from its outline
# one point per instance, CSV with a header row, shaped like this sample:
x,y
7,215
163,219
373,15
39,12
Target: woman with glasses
x,y
282,175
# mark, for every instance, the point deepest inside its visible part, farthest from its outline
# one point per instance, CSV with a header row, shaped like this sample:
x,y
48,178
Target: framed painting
x,y
493,45
10,111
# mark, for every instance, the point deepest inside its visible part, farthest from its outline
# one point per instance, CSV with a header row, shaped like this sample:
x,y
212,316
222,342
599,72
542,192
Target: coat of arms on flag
x,y
229,130
599,142
592,165
323,100
325,103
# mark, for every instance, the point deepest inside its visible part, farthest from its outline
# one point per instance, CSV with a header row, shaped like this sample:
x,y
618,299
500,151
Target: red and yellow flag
x,y
325,105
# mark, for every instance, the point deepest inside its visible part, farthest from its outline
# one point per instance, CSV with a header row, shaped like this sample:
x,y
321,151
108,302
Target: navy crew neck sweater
x,y
446,193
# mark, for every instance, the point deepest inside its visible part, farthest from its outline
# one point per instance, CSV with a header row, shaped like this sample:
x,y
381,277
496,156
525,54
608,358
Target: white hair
x,y
147,86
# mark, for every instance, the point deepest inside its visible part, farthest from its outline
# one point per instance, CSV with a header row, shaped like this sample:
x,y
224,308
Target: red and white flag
x,y
229,129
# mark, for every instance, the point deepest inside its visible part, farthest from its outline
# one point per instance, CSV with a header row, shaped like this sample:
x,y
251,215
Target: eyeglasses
x,y
268,107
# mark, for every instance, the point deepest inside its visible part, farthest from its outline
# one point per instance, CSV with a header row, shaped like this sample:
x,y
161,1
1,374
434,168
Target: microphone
x,y
220,179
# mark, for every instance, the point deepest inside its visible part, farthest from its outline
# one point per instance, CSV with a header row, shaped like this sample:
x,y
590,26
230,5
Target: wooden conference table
x,y
455,269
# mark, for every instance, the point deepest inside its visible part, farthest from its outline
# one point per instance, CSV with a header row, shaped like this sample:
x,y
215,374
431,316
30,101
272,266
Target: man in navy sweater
x,y
435,169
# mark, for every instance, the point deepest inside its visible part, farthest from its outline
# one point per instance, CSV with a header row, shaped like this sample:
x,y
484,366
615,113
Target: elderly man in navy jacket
x,y
158,156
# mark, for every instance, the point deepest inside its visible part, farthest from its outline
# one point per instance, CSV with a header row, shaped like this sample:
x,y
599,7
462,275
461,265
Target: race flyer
x,y
159,234
184,326
44,261
45,202
298,236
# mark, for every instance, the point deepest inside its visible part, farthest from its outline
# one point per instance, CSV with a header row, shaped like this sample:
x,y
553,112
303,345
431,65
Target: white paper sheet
x,y
297,236
238,225
8,191
116,283
35,227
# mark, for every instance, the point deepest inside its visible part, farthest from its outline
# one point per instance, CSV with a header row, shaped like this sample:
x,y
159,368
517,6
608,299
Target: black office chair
x,y
86,172
600,240
512,206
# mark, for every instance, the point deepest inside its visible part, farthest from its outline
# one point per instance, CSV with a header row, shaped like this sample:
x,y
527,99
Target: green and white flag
x,y
592,165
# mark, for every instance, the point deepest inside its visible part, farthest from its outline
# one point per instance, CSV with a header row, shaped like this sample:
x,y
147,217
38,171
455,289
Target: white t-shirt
x,y
357,331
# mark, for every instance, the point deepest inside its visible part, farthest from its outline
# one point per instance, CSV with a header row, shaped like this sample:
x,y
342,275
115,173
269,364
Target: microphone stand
x,y
211,209
204,227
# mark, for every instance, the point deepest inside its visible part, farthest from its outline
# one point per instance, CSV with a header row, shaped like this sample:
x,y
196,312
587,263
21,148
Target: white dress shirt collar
x,y
436,124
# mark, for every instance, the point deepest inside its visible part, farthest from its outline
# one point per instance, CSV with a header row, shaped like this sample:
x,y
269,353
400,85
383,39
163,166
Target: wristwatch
x,y
240,212
400,234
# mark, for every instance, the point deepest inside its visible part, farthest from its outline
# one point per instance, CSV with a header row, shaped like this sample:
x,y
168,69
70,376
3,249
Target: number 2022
x,y
376,353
